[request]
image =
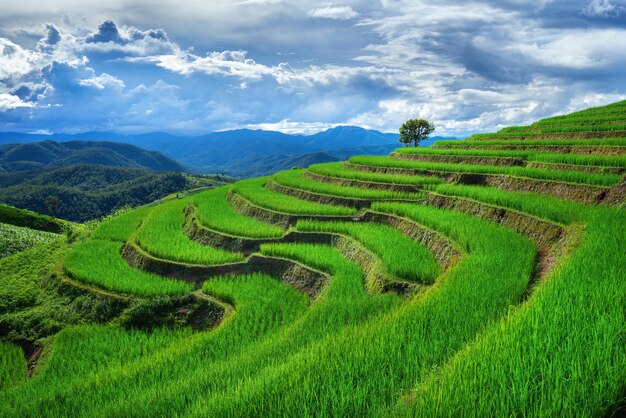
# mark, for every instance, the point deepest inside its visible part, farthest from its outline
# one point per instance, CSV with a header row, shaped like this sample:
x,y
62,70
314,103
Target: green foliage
x,y
344,373
574,319
214,212
295,179
28,219
114,361
52,204
89,192
119,228
254,191
526,154
610,142
14,239
413,131
35,304
534,173
338,170
162,235
539,205
100,263
12,365
401,256
494,334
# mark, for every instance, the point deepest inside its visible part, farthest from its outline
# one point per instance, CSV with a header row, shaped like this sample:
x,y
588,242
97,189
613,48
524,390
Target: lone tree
x,y
415,130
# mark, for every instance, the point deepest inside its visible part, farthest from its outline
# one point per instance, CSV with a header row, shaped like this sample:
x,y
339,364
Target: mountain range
x,y
48,154
240,153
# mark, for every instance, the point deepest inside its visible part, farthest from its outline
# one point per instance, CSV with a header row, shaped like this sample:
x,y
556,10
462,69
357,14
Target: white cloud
x,y
334,12
467,66
15,61
9,102
102,81
289,126
230,63
601,8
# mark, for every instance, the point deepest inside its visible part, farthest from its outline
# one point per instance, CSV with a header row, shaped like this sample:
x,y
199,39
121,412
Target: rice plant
x,y
121,227
406,343
99,262
526,154
538,358
295,179
338,170
12,365
214,212
162,235
401,256
534,173
254,191
610,142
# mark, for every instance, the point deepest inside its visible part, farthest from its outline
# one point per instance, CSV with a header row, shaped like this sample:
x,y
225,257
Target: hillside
x,y
91,191
482,277
22,229
242,152
48,154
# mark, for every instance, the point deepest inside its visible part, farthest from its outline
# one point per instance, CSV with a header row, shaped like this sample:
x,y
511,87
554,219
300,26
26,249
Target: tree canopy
x,y
413,131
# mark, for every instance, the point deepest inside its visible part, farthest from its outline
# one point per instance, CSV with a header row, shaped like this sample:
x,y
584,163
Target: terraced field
x,y
483,277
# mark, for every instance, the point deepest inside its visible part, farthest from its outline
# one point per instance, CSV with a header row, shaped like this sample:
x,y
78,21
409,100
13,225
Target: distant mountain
x,y
50,154
243,152
276,163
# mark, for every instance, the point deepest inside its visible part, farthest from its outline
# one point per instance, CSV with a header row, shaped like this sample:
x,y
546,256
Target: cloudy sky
x,y
196,66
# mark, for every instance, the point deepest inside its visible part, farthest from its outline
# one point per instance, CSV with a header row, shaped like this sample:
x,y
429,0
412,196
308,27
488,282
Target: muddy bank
x,y
556,136
284,220
461,159
317,197
578,192
139,259
444,251
558,149
573,167
544,233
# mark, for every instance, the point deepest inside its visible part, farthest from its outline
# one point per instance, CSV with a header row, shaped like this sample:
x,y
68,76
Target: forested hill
x,y
51,154
88,191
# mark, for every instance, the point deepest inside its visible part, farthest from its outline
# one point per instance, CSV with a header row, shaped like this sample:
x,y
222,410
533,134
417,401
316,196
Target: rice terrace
x,y
479,277
483,275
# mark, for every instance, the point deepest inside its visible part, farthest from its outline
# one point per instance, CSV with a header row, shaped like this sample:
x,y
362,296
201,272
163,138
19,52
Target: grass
x,y
338,170
12,365
538,359
35,304
296,179
214,212
595,179
486,339
253,191
539,205
141,360
348,374
99,262
121,227
609,142
401,256
14,239
580,120
26,218
527,154
162,235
